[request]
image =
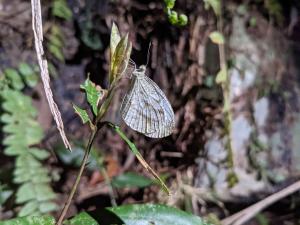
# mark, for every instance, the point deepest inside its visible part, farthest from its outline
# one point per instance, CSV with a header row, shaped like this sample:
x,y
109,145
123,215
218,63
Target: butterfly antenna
x,y
148,53
131,62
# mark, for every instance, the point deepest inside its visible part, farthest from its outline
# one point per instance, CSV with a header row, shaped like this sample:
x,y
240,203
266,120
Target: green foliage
x,y
275,9
55,42
135,214
55,38
217,38
174,18
82,219
89,37
30,220
75,158
14,78
5,194
221,77
262,219
22,131
209,81
52,70
120,50
253,22
61,9
29,74
93,95
131,180
136,152
215,5
155,214
213,219
115,38
82,114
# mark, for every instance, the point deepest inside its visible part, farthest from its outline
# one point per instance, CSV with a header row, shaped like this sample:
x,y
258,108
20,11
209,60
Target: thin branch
x,y
43,64
82,166
246,214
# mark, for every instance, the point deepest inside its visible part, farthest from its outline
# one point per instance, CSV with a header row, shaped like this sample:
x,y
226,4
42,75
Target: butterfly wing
x,y
146,109
161,105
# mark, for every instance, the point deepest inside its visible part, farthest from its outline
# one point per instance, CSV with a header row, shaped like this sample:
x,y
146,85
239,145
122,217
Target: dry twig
x,y
248,213
43,64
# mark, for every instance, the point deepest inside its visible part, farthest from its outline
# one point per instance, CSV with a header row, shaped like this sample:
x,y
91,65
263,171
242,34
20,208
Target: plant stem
x,y
109,185
82,166
226,93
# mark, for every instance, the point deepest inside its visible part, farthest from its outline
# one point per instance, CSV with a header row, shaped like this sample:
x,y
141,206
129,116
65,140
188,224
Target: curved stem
x,y
82,166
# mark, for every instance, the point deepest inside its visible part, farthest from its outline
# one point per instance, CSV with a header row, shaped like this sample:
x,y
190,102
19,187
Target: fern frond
x,y
22,131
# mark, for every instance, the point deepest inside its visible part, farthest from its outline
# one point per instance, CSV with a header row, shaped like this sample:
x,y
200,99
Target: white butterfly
x,y
145,108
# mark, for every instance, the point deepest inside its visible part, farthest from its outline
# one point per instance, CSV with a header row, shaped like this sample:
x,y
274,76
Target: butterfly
x,y
145,108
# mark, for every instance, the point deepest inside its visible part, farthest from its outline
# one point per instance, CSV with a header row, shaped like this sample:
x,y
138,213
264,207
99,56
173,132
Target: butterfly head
x,y
142,69
139,72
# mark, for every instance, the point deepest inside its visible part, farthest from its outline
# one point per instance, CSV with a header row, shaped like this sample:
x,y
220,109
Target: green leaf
x,y
18,104
6,118
56,30
4,194
253,22
93,94
136,152
40,177
38,153
209,81
90,37
43,192
14,149
61,10
28,209
75,158
52,70
15,78
30,220
47,207
215,5
170,3
262,219
56,40
131,180
114,40
138,214
31,174
25,193
217,38
82,114
27,161
56,51
10,128
29,75
82,219
221,76
30,135
182,20
120,59
21,131
173,17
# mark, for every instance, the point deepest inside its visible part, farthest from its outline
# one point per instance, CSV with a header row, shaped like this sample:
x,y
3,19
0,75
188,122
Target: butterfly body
x,y
145,108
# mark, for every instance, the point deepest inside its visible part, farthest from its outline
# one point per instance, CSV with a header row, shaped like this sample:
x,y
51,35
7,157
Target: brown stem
x,y
82,166
246,214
